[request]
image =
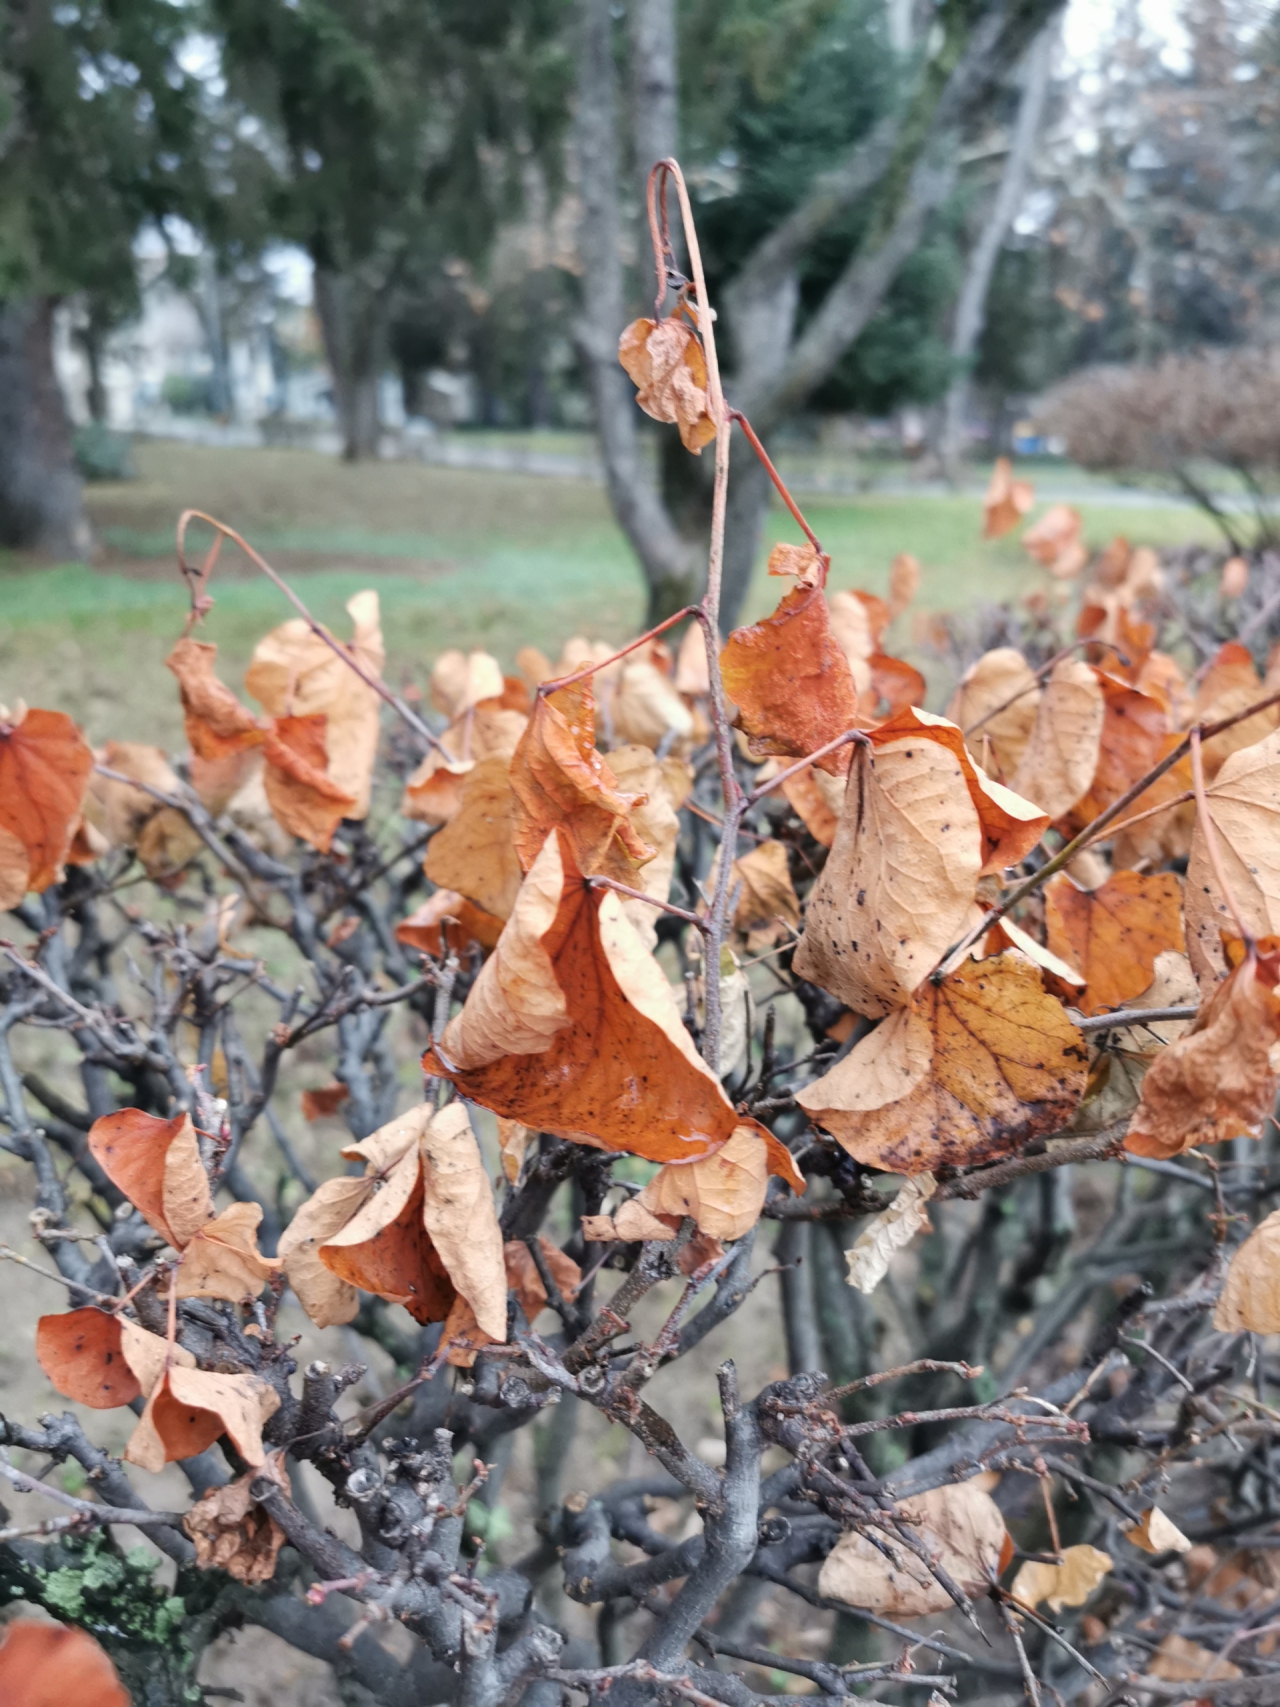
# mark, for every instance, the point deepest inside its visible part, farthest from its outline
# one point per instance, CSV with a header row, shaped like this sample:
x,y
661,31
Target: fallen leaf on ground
x,y
791,681
1244,804
45,765
327,1099
1250,1299
295,673
1180,1660
50,1665
1069,1583
1157,1533
156,1164
1218,1081
960,1525
900,878
222,1260
665,362
1113,934
891,1231
572,1028
1061,756
975,1067
447,920
190,1409
475,853
995,704
559,779
81,1353
233,1533
1006,501
525,1281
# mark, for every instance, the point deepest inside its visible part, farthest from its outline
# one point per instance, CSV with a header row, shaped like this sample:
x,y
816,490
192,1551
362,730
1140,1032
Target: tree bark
x,y
653,84
671,567
353,323
971,308
40,497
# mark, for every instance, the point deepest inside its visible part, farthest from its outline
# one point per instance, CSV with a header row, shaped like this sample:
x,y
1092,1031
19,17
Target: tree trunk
x,y
40,500
971,309
653,84
353,324
673,570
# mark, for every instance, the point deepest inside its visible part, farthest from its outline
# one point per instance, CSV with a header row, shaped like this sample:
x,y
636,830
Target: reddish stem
x,y
559,682
781,486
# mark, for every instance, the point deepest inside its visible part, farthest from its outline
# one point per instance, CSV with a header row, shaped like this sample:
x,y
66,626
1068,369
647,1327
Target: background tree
x,y
102,132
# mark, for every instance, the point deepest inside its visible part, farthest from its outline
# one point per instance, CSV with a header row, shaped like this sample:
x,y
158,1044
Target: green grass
x,y
459,558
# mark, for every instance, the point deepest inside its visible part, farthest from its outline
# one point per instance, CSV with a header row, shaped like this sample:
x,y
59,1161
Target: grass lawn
x,y
460,558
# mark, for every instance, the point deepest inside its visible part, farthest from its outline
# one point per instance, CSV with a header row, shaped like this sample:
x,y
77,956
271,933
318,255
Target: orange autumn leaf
x,y
767,894
974,1067
525,1281
1134,730
814,797
1054,541
156,1164
1113,934
1006,502
559,779
45,764
802,561
572,1028
304,799
665,362
895,684
190,1409
1061,755
1243,803
50,1665
433,794
475,853
724,1192
81,1353
232,1532
1217,1081
218,726
1230,684
325,1100
791,681
447,920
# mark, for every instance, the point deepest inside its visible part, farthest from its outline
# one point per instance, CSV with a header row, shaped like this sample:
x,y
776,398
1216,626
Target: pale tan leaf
x,y
647,707
1061,755
475,853
514,1138
892,1231
1069,1583
959,1524
328,1300
656,822
189,1409
995,705
1180,1660
693,676
1250,1299
459,682
1244,804
1157,1533
460,1218
724,1193
904,582
223,1260
147,1354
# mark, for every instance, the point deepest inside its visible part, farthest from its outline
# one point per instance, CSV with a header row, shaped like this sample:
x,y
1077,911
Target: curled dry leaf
x,y
1069,1583
460,1219
1113,934
131,818
767,895
723,1192
559,779
815,797
892,1231
326,1297
189,1409
904,582
801,561
233,1533
631,1223
857,621
692,676
475,853
1229,685
45,764
433,794
1180,1660
525,1281
791,681
656,821
513,1140
962,1528
665,362
976,1066
447,920
895,685
325,1100
1006,934
1218,1081
156,1164
1006,502
294,673
995,705
223,1260
460,682
1061,756
647,707
1244,804
81,1353
1054,541
1135,729
51,1665
1157,1533
919,823
303,798
1250,1299
1235,577
572,1028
